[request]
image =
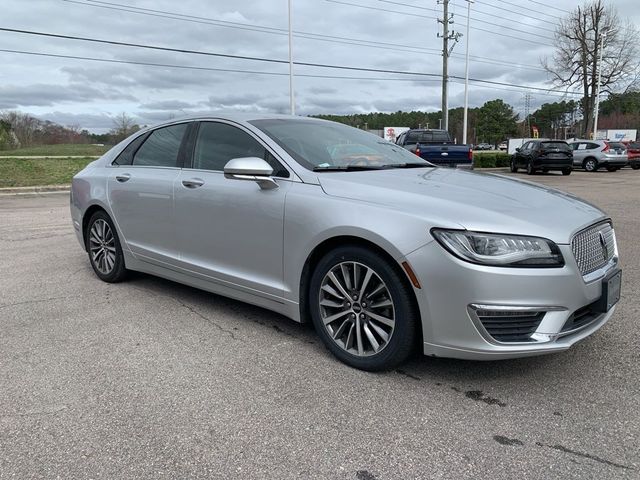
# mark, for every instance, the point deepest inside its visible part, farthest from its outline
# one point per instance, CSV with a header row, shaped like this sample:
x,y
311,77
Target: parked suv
x,y
633,154
593,154
543,155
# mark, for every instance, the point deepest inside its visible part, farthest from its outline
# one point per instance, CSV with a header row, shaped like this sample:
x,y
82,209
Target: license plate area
x,y
611,287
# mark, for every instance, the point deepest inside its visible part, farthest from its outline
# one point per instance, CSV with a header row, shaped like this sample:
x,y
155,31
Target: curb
x,y
46,189
497,169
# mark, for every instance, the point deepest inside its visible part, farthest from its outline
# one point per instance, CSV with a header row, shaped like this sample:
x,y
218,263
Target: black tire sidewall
x,y
401,344
119,270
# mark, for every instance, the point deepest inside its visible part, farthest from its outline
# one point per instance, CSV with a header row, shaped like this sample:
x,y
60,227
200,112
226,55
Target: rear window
x,y
560,145
634,145
617,145
428,137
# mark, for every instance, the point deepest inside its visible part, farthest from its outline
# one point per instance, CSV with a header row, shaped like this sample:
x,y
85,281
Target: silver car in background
x,y
378,248
594,154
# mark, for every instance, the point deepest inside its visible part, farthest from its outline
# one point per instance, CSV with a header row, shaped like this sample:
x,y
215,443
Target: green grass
x,y
62,150
30,172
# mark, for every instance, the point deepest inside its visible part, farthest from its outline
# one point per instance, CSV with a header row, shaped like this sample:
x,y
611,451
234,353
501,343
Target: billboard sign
x,y
391,133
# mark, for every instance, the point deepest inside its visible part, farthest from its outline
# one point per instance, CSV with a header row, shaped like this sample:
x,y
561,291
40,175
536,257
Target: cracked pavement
x,y
149,378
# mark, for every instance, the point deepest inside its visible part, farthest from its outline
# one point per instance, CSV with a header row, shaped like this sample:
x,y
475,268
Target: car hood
x,y
453,198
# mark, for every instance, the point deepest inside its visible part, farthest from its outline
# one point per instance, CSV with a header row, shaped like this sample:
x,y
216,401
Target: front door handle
x,y
123,177
193,183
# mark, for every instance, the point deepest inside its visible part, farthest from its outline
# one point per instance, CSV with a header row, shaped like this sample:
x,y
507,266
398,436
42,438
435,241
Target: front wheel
x,y
513,167
611,168
103,246
635,165
566,171
362,308
590,165
530,169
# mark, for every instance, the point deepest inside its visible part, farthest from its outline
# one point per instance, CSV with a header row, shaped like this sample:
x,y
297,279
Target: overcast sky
x,y
507,41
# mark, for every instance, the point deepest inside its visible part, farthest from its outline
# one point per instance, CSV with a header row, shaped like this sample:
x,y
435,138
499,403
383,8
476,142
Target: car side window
x,y
161,148
217,143
592,146
126,156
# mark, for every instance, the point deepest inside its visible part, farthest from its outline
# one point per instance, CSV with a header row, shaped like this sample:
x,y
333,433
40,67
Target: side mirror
x,y
251,168
517,149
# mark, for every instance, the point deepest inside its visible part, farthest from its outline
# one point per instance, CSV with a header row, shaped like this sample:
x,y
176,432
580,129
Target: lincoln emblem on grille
x,y
603,243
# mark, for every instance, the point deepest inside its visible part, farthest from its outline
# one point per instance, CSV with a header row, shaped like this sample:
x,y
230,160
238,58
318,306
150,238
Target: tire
x,y
530,169
104,249
545,170
611,168
635,165
333,278
567,171
590,165
513,167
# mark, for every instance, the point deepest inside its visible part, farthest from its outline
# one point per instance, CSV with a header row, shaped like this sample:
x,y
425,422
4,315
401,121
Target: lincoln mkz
x,y
380,249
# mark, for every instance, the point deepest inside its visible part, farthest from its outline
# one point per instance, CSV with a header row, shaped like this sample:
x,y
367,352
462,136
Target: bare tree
x,y
579,38
123,126
23,125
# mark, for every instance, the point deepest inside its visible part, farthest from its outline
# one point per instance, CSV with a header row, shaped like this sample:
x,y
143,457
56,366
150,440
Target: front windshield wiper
x,y
345,168
409,165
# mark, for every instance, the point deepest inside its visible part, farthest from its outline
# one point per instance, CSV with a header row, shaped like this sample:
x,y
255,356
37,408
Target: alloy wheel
x,y
356,309
102,246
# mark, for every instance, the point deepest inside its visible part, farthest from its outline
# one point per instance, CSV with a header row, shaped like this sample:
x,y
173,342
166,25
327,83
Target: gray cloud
x,y
49,87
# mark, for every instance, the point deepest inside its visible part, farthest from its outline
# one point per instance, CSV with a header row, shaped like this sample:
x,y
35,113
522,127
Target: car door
x,y
140,193
231,231
581,151
521,155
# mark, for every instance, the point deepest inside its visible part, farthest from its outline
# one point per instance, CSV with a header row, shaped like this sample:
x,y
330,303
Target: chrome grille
x,y
594,247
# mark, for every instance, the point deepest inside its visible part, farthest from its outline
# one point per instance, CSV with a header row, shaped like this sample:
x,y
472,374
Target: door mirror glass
x,y
517,149
250,168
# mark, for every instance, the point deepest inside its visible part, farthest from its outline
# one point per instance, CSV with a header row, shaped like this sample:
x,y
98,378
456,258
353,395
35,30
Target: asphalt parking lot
x,y
151,379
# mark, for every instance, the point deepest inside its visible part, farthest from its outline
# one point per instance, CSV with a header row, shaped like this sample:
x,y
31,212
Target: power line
x,y
550,6
492,32
520,14
486,14
317,65
298,34
454,79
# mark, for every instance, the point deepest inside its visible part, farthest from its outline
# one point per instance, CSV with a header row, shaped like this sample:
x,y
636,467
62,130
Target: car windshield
x,y
322,145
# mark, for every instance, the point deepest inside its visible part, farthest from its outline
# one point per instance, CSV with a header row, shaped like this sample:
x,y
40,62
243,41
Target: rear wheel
x,y
530,169
362,309
566,171
635,165
590,165
103,246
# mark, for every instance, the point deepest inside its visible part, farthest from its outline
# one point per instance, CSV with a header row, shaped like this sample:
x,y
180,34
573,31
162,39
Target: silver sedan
x,y
326,223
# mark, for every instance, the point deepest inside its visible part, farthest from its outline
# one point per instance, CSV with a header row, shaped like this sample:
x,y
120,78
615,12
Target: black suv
x,y
543,155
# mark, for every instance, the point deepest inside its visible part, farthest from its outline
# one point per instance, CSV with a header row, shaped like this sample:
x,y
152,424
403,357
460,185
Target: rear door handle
x,y
193,183
123,177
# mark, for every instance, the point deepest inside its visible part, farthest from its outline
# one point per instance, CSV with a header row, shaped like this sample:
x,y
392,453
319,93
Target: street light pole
x,y
292,102
466,77
595,117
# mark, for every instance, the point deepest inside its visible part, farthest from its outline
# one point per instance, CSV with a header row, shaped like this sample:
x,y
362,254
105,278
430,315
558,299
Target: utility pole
x,y
446,52
599,86
527,108
466,77
292,101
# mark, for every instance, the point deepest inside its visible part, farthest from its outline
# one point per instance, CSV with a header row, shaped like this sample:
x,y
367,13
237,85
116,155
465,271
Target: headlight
x,y
500,250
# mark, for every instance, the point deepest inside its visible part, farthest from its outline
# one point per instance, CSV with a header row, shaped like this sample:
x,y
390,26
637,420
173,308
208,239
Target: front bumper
x,y
451,288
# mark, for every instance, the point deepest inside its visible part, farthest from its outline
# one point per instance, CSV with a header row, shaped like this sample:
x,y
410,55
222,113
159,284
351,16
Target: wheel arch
x,y
348,240
86,216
